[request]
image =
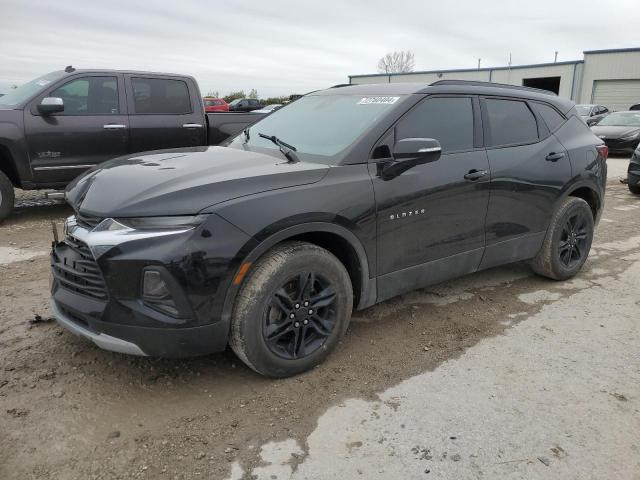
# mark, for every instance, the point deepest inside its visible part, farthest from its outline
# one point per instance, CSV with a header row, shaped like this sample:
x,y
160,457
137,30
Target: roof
x,y
450,86
467,70
130,72
612,50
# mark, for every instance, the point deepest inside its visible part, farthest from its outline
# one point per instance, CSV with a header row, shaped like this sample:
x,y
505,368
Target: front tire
x,y
568,241
292,310
633,186
7,196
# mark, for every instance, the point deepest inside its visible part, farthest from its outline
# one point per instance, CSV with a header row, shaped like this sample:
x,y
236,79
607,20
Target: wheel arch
x,y
7,165
336,239
589,195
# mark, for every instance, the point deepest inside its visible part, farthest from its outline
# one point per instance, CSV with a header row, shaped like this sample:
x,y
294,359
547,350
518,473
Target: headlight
x,y
162,223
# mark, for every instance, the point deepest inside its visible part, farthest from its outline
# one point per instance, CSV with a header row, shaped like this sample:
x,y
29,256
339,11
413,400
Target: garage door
x,y
616,94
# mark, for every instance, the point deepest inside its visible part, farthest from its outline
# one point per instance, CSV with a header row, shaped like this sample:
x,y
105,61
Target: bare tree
x,y
253,93
396,62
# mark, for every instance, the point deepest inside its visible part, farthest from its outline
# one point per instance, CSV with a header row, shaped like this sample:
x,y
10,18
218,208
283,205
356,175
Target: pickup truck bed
x,y
224,125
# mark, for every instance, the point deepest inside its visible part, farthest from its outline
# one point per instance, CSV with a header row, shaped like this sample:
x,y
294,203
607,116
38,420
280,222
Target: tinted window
x,y
549,114
448,120
253,103
156,95
511,122
89,96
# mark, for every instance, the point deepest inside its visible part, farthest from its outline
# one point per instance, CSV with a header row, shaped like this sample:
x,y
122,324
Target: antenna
x,y
479,60
69,69
556,57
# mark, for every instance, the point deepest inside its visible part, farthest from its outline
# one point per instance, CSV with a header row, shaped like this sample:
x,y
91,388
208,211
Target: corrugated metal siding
x,y
616,94
608,66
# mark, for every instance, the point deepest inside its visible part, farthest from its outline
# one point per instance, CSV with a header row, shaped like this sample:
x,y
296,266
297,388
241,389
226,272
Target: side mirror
x,y
51,105
409,152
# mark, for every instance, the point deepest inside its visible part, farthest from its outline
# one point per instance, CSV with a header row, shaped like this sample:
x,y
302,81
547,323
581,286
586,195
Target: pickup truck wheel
x,y
568,241
292,310
7,196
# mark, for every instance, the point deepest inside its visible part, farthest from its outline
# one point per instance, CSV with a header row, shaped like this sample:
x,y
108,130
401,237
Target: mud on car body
x,y
340,200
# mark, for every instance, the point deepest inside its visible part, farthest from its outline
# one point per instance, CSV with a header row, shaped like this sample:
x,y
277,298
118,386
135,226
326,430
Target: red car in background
x,y
215,105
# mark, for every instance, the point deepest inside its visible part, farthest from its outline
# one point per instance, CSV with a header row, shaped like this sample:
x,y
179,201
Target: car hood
x,y
183,181
613,131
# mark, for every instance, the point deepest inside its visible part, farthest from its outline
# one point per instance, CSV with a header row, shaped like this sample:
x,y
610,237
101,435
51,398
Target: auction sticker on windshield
x,y
377,100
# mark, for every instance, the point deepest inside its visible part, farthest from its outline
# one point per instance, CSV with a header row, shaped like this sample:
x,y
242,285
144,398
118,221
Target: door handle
x,y
114,126
474,174
554,157
191,125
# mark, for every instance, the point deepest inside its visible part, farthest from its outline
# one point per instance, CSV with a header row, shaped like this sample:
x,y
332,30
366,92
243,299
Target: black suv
x,y
342,199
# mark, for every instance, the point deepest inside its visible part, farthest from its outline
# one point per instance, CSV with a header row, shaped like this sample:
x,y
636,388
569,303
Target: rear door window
x,y
446,119
510,122
160,96
550,115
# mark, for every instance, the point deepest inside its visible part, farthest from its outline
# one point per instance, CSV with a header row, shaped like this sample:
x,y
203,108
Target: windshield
x,y
319,126
28,90
621,119
236,101
583,109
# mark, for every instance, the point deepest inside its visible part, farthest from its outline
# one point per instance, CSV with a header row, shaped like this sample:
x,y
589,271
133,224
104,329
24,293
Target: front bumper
x,y
102,340
135,340
96,292
617,145
633,172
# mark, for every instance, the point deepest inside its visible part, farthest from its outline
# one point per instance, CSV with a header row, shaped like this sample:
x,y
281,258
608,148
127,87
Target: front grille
x,y
75,268
87,221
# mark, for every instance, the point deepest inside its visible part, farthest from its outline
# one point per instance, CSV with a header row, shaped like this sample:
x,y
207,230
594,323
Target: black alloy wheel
x,y
301,316
292,309
573,239
568,240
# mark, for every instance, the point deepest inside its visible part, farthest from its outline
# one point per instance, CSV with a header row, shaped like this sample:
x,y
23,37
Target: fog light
x,y
153,286
156,294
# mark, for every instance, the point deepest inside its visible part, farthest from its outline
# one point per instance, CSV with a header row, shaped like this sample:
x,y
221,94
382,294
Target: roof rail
x,y
476,83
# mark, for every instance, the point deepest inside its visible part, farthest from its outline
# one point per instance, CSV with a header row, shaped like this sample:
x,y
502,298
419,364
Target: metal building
x,y
604,77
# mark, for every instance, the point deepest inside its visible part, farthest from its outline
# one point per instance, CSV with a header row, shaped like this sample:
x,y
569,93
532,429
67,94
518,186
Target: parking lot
x,y
499,374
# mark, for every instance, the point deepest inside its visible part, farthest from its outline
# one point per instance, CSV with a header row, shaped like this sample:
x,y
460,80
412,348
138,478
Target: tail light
x,y
603,150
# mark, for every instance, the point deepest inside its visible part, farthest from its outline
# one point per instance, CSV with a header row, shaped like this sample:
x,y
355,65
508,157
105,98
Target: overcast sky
x,y
282,47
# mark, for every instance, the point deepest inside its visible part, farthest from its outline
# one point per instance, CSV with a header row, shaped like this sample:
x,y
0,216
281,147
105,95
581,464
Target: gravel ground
x,y
499,374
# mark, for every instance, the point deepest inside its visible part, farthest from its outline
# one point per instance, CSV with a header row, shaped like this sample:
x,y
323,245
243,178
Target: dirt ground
x,y
71,411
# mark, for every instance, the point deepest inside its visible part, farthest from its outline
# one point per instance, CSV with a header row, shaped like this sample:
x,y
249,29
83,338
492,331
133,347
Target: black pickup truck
x,y
59,125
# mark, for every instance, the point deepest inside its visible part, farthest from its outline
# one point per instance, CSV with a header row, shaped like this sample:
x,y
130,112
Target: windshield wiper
x,y
286,149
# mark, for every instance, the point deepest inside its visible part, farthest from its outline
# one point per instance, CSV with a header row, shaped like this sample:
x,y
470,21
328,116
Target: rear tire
x,y
568,241
7,196
292,310
635,189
